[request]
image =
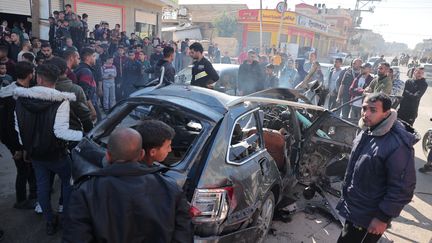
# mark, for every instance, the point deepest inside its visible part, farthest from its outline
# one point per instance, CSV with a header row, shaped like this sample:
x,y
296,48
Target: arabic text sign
x,y
311,23
247,15
274,16
253,15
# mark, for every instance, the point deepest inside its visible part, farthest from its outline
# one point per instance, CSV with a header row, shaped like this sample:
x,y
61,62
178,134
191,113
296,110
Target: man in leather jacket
x,y
127,201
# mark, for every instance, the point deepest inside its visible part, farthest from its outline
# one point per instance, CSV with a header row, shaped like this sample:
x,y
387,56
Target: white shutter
x,y
56,5
98,13
145,17
21,7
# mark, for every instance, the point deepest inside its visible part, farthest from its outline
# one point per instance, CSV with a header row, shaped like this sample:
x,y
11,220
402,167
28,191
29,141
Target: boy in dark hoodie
x,y
166,63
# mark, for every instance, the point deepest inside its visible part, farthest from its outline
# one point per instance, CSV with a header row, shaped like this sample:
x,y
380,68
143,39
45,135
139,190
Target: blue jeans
x,y
109,98
43,170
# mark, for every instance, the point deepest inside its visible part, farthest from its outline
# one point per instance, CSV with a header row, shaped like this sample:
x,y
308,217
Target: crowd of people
x,y
53,92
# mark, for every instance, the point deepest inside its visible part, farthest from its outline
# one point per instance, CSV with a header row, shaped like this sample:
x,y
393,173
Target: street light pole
x,y
261,29
280,23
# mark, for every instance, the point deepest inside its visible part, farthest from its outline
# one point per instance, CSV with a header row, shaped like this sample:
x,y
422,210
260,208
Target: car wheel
x,y
427,142
265,216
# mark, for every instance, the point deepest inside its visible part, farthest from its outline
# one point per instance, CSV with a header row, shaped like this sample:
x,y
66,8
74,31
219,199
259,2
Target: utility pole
x,y
261,29
280,23
361,6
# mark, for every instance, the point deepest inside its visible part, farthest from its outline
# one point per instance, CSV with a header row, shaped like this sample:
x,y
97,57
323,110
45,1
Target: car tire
x,y
426,143
264,216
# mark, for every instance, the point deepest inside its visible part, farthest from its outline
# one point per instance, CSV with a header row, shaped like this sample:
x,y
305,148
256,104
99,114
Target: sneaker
x,y
38,208
426,168
60,208
51,227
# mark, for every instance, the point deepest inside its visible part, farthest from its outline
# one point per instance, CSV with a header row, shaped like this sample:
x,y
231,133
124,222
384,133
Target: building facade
x,y
143,17
307,27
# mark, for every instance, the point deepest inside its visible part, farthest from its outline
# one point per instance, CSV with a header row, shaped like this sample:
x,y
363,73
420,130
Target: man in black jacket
x,y
166,62
127,201
203,73
413,92
42,115
251,76
9,137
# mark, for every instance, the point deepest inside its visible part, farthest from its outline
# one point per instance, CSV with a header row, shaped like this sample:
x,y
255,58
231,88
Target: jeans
x,y
25,174
43,170
353,234
109,98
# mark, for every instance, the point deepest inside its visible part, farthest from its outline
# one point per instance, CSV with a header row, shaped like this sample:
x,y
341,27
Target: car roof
x,y
213,100
220,102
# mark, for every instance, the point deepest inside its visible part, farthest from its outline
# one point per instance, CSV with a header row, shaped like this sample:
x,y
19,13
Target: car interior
x,y
187,129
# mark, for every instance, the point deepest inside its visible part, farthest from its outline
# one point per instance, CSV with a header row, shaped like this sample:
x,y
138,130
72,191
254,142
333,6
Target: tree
x,y
226,25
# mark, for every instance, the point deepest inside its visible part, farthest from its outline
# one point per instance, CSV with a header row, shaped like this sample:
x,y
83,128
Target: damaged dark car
x,y
236,158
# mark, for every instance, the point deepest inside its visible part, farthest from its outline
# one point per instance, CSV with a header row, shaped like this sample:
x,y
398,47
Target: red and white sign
x,y
248,15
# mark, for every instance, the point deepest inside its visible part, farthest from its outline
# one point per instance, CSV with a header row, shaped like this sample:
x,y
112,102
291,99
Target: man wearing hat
x,y
357,89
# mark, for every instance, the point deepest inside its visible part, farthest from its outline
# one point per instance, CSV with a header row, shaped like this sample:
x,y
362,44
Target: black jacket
x,y
414,90
42,116
8,135
128,202
80,114
169,71
251,78
203,73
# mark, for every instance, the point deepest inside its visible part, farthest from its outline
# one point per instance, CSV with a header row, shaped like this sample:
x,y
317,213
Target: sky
x,y
406,21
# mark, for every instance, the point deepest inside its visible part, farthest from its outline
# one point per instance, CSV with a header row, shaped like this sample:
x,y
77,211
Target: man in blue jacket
x,y
380,177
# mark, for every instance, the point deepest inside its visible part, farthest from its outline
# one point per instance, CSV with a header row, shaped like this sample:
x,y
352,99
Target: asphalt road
x,y
414,224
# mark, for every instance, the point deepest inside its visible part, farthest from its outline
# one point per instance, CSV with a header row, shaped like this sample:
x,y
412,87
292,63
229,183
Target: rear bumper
x,y
244,235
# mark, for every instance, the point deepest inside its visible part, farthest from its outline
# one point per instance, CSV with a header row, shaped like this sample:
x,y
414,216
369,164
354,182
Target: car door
x,y
326,146
252,170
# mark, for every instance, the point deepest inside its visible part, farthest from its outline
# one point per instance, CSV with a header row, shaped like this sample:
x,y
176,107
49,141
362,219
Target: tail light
x,y
211,205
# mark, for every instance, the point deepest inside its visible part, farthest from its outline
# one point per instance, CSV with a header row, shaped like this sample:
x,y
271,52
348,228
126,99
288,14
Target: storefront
x,y
271,19
16,11
111,13
296,29
146,23
16,7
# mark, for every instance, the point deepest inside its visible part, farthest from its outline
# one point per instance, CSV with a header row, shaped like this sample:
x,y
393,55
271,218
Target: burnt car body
x,y
236,158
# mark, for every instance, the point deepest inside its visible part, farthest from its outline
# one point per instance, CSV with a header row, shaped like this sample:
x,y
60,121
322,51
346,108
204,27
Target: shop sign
x,y
274,16
248,15
311,23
